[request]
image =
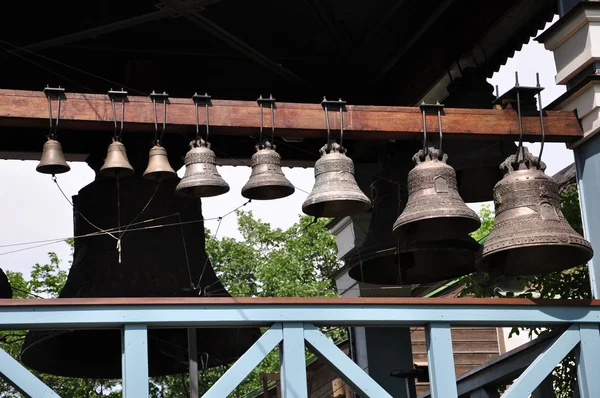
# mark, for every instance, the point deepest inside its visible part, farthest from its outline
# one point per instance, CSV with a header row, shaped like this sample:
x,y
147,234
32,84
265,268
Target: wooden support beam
x,y
93,112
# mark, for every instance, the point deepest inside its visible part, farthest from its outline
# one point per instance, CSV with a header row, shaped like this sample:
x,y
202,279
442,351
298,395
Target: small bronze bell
x,y
53,159
201,177
435,210
530,235
335,192
267,181
116,164
159,167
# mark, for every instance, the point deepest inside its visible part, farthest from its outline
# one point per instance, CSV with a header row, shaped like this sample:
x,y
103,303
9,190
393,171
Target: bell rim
x,y
53,169
361,207
159,175
282,191
208,190
401,226
115,172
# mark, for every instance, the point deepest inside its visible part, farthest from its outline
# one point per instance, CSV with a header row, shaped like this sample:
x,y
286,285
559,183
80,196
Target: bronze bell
x,y
435,210
267,181
53,159
418,262
476,165
335,192
159,167
530,235
5,288
378,260
201,177
116,164
161,261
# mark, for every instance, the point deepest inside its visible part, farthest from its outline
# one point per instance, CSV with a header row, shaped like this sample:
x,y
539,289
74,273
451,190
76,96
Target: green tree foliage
x,y
570,284
266,262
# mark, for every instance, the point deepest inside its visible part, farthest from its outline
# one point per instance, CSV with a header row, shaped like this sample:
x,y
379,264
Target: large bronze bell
x,y
116,164
267,181
530,235
418,262
476,165
201,177
160,261
159,167
435,210
335,192
53,160
379,261
5,288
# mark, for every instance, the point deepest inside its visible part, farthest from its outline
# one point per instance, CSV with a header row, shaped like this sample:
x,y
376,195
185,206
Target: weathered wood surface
x,y
89,112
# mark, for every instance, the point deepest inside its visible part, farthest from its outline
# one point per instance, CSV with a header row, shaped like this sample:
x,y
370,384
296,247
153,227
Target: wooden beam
x,y
93,112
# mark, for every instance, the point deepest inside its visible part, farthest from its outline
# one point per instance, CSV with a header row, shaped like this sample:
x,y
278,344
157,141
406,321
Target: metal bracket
x,y
339,102
54,91
199,97
435,106
116,94
269,100
527,94
163,96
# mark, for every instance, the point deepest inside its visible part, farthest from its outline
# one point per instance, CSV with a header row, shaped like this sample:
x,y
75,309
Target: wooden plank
x,y
291,301
93,112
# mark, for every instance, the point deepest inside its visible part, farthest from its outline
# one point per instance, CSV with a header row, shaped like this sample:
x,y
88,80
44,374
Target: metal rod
x,y
272,119
537,76
112,102
341,122
57,118
155,120
51,132
197,118
206,114
424,131
260,104
327,123
520,148
193,362
164,119
439,114
122,116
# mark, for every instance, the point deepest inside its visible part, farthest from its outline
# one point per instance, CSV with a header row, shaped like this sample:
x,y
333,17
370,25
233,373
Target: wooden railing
x,y
293,325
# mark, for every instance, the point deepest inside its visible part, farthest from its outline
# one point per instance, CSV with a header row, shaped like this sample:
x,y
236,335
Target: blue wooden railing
x,y
293,325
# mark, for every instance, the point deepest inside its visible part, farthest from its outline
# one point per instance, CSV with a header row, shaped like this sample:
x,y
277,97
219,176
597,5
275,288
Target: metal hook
x,y
439,114
113,95
57,92
272,119
425,149
197,98
537,76
520,147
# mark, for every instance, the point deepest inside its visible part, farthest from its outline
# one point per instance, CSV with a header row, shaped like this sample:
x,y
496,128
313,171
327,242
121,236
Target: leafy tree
x,y
267,262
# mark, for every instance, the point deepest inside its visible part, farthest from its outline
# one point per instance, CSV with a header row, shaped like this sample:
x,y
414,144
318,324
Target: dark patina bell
x,y
116,164
435,210
476,165
385,258
530,235
5,288
158,258
267,181
418,262
159,167
201,178
335,192
53,160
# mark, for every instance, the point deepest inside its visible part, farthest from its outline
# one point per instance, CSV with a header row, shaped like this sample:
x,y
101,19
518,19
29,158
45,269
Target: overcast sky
x,y
33,209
